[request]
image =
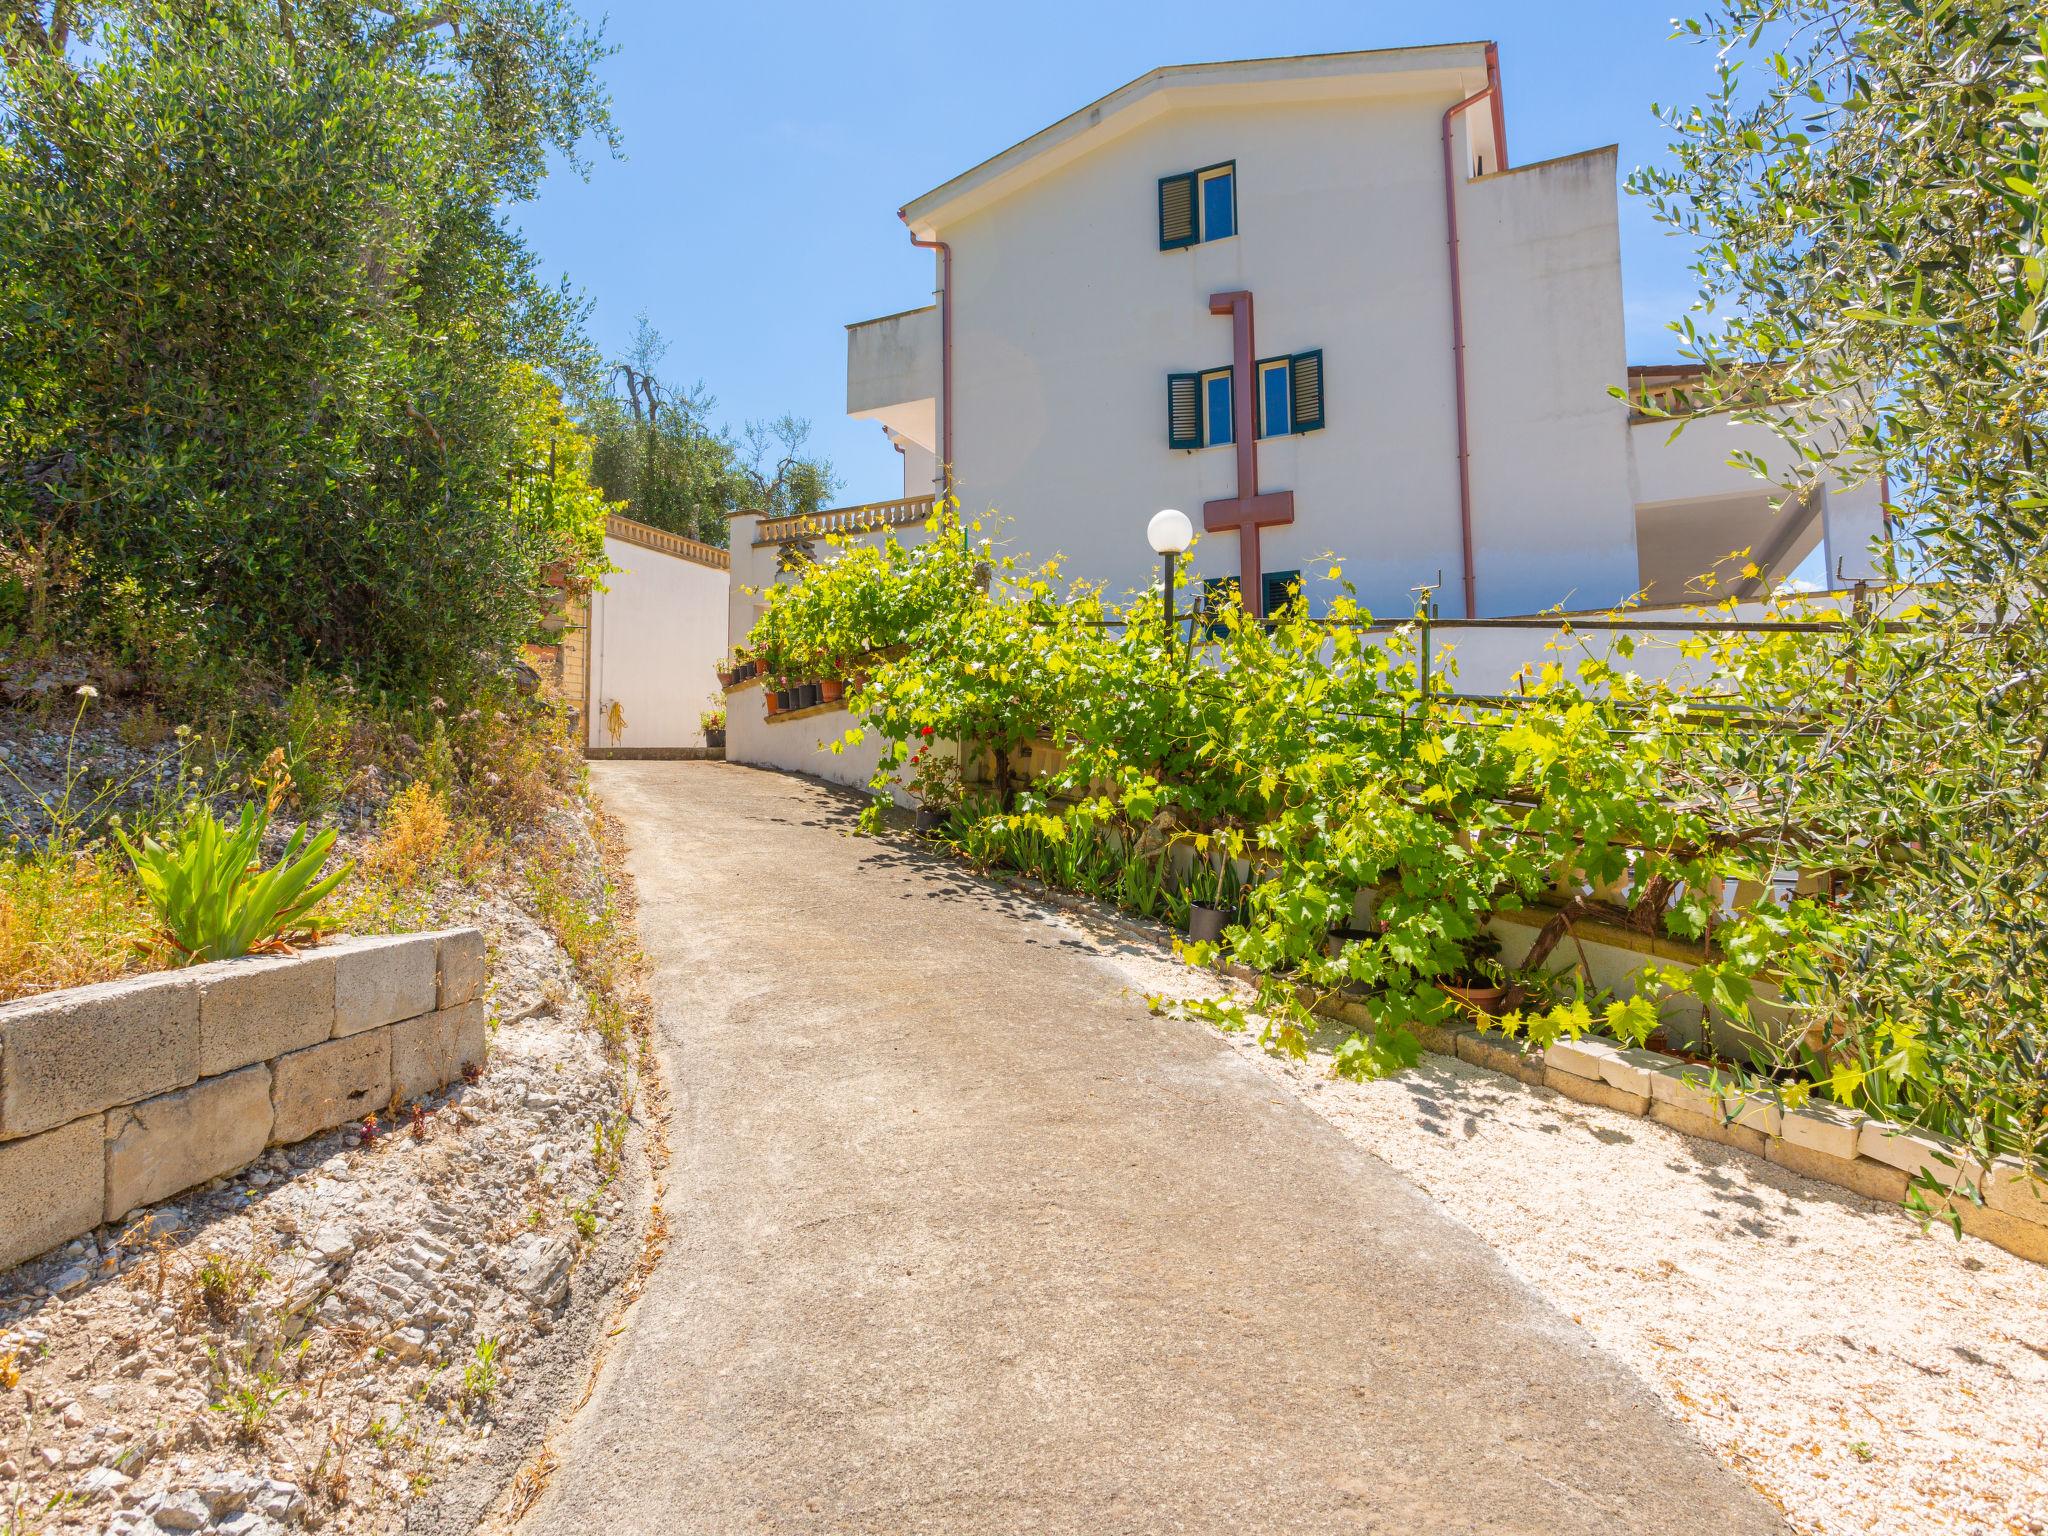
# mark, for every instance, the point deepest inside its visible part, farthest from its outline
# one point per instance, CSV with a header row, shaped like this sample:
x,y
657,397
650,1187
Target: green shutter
x,y
1308,391
1275,590
1183,410
1176,211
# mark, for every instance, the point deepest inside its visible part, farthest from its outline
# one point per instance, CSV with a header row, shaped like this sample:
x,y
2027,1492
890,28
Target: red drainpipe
x,y
945,350
1491,93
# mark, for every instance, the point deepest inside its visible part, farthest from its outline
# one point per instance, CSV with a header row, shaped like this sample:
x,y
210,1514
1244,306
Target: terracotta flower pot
x,y
1486,1000
832,691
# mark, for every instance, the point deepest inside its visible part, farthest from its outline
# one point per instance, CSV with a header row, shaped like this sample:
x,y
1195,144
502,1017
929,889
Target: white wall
x,y
657,631
1694,507
1552,516
799,746
1069,319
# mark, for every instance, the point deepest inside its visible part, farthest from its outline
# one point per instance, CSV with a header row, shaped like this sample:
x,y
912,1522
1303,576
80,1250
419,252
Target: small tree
x,y
1867,185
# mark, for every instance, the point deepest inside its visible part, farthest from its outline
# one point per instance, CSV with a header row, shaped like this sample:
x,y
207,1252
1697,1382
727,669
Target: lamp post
x,y
1169,533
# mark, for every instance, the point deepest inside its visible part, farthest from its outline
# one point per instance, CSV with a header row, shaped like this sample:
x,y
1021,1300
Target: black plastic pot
x,y
812,696
1205,923
929,820
715,740
782,700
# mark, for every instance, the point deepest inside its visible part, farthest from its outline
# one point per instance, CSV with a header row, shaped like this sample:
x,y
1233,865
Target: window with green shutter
x,y
1184,410
1290,394
1195,206
1279,588
1198,409
1308,391
1177,212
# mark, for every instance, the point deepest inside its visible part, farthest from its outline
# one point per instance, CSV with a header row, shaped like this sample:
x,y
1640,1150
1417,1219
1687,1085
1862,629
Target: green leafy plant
x,y
480,1374
212,895
1323,762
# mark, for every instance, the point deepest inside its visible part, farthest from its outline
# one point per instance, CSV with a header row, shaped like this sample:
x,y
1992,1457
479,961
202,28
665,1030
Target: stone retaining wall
x,y
1872,1157
122,1094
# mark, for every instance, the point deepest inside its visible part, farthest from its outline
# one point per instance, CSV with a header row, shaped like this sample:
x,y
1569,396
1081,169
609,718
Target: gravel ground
x,y
1864,1376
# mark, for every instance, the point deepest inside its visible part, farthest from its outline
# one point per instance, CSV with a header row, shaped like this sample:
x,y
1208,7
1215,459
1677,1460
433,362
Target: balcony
x,y
909,512
892,373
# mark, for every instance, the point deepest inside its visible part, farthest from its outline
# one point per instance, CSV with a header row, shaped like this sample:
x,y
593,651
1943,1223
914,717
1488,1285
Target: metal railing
x,y
907,511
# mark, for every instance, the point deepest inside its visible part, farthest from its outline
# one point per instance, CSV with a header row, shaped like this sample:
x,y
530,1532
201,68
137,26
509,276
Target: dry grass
x,y
412,835
68,919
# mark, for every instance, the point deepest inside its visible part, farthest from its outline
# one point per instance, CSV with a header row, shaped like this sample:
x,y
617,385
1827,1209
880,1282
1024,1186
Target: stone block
x,y
1708,1127
2010,1189
52,1188
1821,1127
327,1085
429,1052
1914,1152
460,954
2027,1239
1757,1111
1592,1090
1498,1054
177,1140
1581,1058
85,1049
1683,1086
1437,1039
262,1006
1873,1181
380,981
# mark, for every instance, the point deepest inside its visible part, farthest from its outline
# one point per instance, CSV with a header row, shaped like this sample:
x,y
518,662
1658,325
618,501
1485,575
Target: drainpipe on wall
x,y
1491,92
945,351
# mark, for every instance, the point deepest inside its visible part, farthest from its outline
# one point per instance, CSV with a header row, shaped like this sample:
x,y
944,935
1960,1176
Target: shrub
x,y
209,893
274,385
1307,757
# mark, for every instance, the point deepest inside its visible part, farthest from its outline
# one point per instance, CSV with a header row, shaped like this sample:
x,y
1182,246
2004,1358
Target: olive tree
x,y
1866,185
268,342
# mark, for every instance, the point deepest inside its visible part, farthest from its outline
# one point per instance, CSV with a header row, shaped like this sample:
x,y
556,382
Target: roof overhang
x,y
1454,69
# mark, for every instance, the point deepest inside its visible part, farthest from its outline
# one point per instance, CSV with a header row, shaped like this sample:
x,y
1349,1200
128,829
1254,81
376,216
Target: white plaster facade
x,y
1067,318
657,631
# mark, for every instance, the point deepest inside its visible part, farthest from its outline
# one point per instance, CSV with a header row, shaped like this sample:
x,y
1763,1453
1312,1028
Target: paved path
x,y
965,1241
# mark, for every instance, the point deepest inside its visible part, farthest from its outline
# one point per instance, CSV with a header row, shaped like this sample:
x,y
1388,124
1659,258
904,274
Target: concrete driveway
x,y
964,1240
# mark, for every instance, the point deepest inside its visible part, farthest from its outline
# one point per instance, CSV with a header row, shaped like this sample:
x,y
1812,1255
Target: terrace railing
x,y
906,512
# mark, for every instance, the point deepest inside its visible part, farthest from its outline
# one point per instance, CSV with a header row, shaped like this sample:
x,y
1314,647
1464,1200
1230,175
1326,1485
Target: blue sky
x,y
769,145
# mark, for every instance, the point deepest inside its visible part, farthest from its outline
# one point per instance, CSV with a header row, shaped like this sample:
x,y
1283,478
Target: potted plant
x,y
1206,918
712,721
831,690
1481,984
935,781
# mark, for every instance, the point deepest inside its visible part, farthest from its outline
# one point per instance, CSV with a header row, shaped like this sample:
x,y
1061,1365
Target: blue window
x,y
1198,205
1291,394
1216,408
1276,399
1219,202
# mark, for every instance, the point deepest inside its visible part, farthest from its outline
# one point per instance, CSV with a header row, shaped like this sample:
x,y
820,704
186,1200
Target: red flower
x,y
924,730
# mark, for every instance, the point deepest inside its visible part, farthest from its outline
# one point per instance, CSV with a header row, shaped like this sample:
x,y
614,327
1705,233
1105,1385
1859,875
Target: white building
x,y
1312,302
